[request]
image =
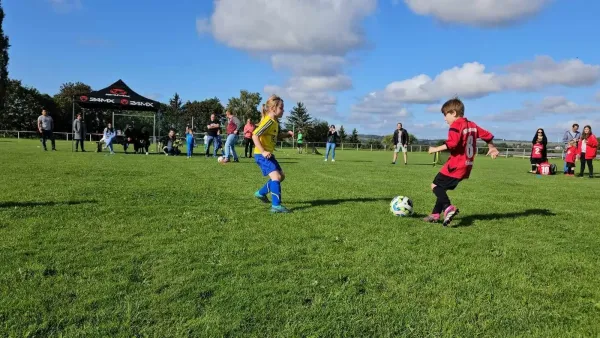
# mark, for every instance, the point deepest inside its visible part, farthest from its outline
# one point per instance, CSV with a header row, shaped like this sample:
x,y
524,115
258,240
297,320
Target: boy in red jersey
x,y
461,142
571,157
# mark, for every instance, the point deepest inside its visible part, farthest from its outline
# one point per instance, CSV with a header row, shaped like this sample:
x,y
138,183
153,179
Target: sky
x,y
365,64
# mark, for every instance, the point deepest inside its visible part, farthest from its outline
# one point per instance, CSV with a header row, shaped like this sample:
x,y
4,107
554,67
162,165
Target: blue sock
x,y
265,189
275,188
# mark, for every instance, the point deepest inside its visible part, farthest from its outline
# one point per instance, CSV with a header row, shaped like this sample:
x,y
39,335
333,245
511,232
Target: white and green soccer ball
x,y
401,206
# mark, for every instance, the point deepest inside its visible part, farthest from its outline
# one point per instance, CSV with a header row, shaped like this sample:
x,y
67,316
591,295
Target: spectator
x,y
45,126
233,128
144,140
170,144
542,133
190,141
572,134
79,132
587,151
213,134
248,143
332,138
129,138
400,141
109,137
300,141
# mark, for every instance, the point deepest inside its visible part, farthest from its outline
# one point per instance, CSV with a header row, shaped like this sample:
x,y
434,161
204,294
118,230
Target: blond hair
x,y
454,105
272,101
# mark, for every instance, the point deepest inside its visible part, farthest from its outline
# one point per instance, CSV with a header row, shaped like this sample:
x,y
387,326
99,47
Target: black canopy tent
x,y
117,96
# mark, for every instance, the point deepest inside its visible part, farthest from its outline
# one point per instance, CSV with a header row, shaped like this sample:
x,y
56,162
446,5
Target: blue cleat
x,y
262,198
279,209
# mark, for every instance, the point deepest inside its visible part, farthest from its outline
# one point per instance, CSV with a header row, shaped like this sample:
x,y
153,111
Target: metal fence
x,y
554,150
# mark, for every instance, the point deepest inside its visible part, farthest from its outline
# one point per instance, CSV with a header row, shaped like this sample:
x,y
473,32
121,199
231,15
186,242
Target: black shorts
x,y
446,182
536,160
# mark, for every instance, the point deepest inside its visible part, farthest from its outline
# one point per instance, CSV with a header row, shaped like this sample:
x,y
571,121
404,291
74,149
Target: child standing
x,y
588,148
570,158
536,157
300,141
189,140
265,138
462,138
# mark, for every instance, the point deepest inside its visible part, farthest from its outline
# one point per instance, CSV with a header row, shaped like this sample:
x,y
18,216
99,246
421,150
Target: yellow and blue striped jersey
x,y
267,132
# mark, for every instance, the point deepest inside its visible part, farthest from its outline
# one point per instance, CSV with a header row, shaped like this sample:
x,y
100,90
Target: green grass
x,y
134,245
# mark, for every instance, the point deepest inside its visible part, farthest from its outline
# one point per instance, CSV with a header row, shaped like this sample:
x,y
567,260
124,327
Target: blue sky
x,y
361,63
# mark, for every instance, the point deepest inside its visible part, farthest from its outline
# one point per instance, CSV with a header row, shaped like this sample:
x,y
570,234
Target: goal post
x,y
137,121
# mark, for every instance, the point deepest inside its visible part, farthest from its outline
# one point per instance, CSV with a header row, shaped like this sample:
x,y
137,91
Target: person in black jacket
x,y
400,141
332,139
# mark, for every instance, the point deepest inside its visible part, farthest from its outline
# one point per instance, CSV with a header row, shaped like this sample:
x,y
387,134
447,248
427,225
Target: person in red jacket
x,y
537,155
461,142
587,150
570,158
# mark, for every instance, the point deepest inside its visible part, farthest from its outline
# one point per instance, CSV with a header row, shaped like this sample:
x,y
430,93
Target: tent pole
x,y
154,134
72,120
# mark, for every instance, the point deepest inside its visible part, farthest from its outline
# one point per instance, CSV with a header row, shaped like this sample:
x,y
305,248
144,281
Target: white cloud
x,y
471,80
292,26
309,64
553,105
482,13
65,6
310,38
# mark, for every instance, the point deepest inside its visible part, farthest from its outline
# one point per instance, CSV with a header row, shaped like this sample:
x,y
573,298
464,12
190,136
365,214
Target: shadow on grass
x,y
357,161
469,220
319,203
42,204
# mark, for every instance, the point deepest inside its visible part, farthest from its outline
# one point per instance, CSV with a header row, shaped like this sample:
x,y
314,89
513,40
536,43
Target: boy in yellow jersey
x,y
265,138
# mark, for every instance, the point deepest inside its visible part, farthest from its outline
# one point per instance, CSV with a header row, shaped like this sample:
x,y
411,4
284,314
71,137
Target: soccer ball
x,y
401,206
220,159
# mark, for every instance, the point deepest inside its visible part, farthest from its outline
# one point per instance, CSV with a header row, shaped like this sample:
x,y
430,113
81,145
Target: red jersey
x,y
537,150
591,147
571,154
545,169
462,143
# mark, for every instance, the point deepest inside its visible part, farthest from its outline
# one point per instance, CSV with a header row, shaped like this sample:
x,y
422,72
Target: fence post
x,y
371,147
523,152
342,146
357,147
18,135
506,152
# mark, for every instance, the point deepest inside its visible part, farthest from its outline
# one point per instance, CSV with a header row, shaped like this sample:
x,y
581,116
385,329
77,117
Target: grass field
x,y
134,245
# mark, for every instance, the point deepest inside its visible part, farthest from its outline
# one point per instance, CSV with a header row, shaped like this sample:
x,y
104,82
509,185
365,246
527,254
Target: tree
x,y
343,135
22,107
170,116
412,139
175,102
354,137
4,45
375,143
245,106
201,111
299,118
317,131
64,103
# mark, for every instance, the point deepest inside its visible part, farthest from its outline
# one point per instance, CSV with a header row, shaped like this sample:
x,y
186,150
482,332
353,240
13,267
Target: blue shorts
x,y
267,165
